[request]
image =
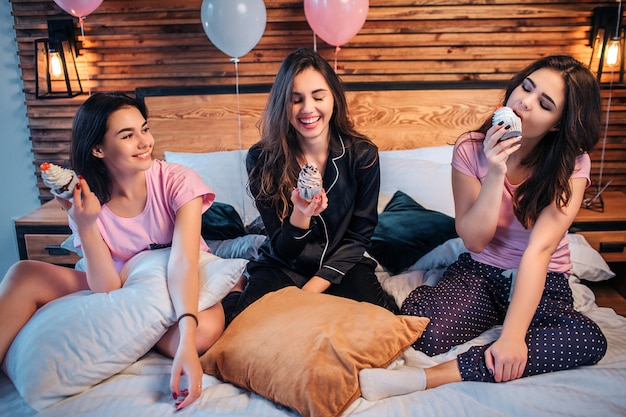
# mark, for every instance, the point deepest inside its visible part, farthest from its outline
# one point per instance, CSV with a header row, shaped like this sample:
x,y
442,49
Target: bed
x,y
89,354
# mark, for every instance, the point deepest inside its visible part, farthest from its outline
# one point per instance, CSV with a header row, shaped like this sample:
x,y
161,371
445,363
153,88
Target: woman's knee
x,y
210,327
596,344
23,275
41,281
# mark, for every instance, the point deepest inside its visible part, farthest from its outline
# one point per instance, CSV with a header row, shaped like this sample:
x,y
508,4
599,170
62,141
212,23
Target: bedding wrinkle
x,y
582,391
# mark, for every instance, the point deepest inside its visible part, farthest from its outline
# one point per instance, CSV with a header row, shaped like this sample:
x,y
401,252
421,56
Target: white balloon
x,y
234,26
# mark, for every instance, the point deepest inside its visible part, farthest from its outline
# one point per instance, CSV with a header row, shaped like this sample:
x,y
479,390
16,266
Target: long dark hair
x,y
88,129
276,170
552,161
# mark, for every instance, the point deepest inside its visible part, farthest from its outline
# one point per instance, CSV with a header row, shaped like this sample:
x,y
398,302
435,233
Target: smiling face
x,y
127,144
312,106
539,101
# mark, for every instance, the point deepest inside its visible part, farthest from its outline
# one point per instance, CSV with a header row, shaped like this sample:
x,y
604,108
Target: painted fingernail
x,y
80,177
501,123
491,372
78,186
174,395
508,127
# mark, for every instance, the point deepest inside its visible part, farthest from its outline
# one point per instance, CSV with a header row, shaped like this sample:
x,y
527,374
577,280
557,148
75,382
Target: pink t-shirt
x,y
511,239
170,186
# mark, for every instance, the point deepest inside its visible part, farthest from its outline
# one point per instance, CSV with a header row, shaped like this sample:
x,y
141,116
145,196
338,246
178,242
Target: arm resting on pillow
x,y
182,278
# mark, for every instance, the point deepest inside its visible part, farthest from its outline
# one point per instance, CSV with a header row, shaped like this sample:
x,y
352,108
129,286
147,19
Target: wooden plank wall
x,y
151,43
393,118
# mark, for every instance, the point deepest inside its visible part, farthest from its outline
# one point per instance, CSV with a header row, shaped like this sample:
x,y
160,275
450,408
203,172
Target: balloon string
x,y
241,161
236,61
337,49
82,33
314,42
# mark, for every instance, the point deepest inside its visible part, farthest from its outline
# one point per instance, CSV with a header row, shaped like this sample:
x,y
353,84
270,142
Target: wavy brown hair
x,y
276,170
552,161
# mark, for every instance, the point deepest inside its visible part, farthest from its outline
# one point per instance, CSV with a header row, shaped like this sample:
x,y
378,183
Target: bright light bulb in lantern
x,y
612,52
56,68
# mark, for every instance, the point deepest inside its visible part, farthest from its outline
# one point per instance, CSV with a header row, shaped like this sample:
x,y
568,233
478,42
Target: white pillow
x,y
587,263
427,182
79,340
420,173
225,173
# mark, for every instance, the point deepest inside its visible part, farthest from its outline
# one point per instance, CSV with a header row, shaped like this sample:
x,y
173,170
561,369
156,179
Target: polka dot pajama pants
x,y
473,297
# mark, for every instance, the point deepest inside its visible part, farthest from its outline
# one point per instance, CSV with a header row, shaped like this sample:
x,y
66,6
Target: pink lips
x,y
309,125
144,155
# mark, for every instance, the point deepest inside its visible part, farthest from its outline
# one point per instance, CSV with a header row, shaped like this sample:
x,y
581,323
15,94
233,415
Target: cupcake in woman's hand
x,y
61,181
508,116
309,182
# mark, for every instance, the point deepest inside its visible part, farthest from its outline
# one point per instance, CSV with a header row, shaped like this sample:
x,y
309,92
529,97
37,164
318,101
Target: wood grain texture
x,y
407,119
204,123
159,43
393,119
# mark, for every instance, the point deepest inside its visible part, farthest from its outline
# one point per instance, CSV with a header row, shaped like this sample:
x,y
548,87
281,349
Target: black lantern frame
x,y
606,31
56,72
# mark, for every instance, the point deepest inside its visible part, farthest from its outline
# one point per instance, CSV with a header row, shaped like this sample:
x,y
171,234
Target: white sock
x,y
379,383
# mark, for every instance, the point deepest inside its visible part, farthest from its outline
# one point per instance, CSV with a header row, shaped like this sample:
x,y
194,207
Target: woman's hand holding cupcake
x,y
309,208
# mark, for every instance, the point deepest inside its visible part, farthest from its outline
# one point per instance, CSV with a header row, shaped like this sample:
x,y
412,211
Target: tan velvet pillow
x,y
304,350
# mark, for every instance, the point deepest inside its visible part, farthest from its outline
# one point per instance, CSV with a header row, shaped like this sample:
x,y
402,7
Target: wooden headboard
x,y
393,115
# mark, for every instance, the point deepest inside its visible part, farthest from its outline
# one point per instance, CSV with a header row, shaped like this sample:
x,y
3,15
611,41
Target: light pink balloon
x,y
336,21
79,8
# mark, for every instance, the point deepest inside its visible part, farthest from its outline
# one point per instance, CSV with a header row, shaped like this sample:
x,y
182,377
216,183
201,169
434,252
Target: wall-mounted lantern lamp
x,y
607,56
607,39
56,74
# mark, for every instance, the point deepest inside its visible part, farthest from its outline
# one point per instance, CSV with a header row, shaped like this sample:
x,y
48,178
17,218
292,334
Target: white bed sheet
x,y
142,390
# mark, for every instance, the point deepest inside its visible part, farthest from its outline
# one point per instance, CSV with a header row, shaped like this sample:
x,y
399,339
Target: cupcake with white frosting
x,y
309,182
508,116
61,181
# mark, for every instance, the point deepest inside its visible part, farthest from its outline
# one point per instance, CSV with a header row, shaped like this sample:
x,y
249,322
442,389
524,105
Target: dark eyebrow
x,y
126,129
319,90
130,129
547,97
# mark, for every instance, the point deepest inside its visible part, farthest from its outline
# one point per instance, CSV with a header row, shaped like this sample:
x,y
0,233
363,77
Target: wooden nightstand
x,y
606,232
41,232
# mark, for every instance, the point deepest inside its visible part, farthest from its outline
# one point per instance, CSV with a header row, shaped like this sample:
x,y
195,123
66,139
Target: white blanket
x,y
142,389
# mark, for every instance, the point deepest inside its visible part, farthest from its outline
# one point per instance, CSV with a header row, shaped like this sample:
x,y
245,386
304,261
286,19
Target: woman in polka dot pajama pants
x,y
473,297
515,199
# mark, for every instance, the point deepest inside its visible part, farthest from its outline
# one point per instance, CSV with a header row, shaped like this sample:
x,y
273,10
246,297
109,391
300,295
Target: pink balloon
x,y
336,21
79,8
